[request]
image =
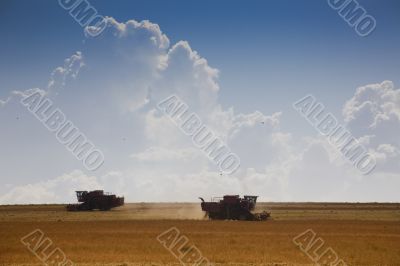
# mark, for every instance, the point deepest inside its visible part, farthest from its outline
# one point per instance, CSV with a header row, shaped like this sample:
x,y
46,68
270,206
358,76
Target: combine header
x,y
96,199
232,207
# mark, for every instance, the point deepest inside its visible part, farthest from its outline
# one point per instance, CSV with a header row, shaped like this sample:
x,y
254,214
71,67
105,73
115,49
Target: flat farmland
x,y
360,234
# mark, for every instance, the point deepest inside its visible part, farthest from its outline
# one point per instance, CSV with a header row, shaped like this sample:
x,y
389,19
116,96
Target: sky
x,y
239,65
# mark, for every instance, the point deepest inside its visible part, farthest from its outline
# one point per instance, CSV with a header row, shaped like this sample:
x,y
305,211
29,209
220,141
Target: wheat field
x,y
360,234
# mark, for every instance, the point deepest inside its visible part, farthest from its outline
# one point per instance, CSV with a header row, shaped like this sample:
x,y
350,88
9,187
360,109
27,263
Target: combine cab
x,y
96,199
232,207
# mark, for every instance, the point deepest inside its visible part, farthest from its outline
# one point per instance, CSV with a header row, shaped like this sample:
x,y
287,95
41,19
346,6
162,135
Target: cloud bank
x,y
111,87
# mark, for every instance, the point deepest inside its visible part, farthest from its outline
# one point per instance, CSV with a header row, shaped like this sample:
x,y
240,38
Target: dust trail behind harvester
x,y
160,211
191,211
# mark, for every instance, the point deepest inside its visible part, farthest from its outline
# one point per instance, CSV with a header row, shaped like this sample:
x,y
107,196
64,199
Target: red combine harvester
x,y
95,200
232,207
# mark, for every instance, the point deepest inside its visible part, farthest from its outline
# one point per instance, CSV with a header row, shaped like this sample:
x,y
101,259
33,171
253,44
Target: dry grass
x,y
360,234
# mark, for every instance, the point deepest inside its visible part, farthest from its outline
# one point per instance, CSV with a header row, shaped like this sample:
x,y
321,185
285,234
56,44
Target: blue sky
x,y
268,54
279,44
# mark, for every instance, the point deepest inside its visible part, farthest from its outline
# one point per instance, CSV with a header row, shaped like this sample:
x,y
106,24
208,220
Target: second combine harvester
x,y
97,199
232,207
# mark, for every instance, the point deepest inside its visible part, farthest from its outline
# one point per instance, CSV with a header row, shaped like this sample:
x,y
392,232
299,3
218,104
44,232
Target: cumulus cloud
x,y
4,102
56,190
61,74
58,78
132,29
373,113
377,102
131,66
158,154
188,75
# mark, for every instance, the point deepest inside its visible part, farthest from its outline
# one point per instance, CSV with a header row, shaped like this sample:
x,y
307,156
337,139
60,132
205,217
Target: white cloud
x,y
375,103
127,70
58,78
56,190
160,154
4,102
131,28
60,75
373,113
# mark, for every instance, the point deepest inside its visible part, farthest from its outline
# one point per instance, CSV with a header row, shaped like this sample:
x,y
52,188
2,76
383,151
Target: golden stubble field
x,y
360,234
